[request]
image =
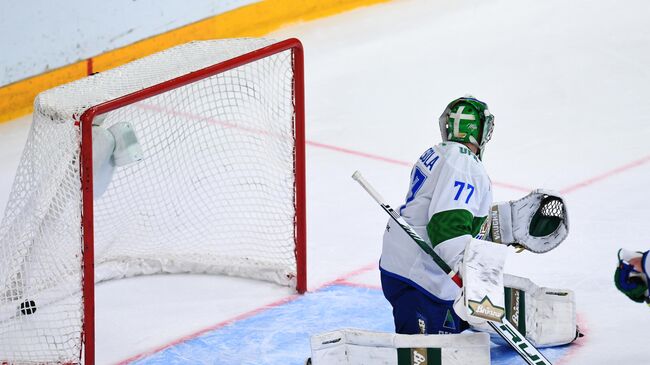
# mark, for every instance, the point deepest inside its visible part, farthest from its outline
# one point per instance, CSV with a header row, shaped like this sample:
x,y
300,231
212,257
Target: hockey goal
x,y
219,188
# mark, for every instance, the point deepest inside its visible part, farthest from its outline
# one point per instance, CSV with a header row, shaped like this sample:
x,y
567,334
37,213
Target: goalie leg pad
x,y
356,347
546,316
482,272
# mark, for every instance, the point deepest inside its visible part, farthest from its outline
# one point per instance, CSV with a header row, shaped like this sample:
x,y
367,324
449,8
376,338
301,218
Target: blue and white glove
x,y
629,281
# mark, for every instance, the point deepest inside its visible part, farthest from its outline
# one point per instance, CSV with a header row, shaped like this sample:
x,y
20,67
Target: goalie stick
x,y
505,329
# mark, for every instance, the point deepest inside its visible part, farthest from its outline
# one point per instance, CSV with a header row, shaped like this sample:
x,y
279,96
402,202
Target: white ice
x,y
567,82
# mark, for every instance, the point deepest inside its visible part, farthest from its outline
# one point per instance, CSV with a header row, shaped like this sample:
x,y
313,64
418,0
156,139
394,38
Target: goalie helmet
x,y
467,120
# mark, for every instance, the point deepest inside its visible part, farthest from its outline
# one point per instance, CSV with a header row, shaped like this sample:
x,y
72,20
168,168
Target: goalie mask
x,y
467,120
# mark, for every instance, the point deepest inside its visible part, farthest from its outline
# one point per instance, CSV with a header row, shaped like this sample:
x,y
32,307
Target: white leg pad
x,y
546,316
482,273
357,347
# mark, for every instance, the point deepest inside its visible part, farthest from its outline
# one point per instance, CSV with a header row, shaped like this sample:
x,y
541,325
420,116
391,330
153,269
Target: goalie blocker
x,y
546,316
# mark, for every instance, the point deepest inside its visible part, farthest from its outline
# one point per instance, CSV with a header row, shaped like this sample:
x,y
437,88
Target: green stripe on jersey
x,y
451,224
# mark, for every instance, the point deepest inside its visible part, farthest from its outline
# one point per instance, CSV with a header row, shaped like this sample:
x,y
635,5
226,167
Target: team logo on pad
x,y
449,321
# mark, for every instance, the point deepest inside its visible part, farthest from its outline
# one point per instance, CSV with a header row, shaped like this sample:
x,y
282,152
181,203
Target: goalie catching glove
x,y
630,280
537,222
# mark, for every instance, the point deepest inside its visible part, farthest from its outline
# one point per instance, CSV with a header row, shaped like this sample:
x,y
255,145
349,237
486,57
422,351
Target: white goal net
x,y
214,192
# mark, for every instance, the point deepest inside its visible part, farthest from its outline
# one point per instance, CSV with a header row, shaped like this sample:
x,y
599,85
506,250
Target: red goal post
x,y
292,110
87,173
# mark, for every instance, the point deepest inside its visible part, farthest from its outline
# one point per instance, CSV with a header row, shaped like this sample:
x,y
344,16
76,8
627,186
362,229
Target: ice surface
x,y
277,335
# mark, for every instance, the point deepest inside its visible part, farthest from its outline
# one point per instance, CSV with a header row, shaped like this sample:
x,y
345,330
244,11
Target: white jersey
x,y
448,201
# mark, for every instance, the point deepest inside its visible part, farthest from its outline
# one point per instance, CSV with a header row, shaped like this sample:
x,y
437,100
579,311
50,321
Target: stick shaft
x,y
407,228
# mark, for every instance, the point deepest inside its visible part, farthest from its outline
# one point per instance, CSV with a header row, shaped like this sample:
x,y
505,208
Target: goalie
x,y
449,204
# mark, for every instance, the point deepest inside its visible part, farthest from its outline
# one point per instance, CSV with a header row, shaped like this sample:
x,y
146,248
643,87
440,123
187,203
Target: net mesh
x,y
552,207
213,194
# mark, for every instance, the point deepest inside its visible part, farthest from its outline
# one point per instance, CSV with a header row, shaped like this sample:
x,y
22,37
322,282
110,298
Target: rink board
x,y
280,334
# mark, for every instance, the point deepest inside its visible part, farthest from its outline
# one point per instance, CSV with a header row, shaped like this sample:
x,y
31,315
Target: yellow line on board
x,y
249,21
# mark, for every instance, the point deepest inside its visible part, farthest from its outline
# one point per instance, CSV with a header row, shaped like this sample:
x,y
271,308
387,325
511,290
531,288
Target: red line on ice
x,y
566,190
357,153
605,175
398,162
211,328
344,278
232,124
359,285
578,344
340,280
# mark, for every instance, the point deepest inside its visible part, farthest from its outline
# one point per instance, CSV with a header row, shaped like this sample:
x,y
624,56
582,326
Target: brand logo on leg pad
x,y
419,356
486,310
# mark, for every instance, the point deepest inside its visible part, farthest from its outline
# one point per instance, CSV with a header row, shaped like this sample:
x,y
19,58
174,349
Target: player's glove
x,y
628,281
537,222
